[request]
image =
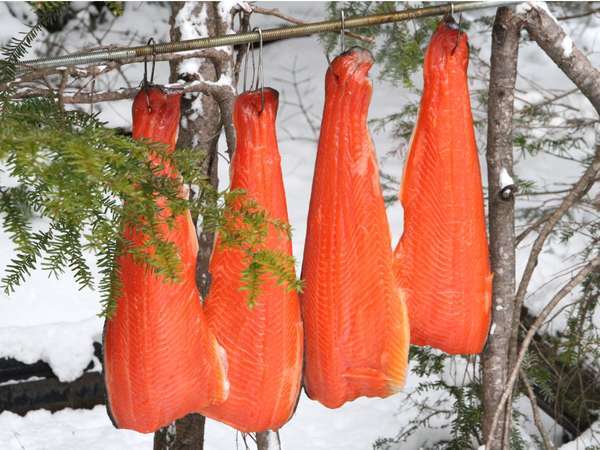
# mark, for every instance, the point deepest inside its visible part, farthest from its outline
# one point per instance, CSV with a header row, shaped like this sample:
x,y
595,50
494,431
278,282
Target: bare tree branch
x,y
276,13
594,264
204,87
536,413
590,12
579,189
217,55
61,90
551,38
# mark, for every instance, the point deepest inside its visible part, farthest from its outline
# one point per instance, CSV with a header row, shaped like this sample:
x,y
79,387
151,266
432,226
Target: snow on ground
x,y
54,321
67,429
588,439
354,426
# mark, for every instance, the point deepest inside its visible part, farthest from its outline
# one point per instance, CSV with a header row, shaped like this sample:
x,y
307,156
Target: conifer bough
x,y
272,34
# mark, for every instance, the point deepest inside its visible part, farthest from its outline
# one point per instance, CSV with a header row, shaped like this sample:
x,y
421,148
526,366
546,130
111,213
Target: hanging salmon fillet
x,y
356,325
263,343
160,360
441,262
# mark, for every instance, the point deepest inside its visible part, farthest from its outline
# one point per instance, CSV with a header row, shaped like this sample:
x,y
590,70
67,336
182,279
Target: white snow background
x,y
51,320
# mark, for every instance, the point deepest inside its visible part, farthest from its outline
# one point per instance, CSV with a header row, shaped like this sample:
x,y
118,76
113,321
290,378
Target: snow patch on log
x,y
53,344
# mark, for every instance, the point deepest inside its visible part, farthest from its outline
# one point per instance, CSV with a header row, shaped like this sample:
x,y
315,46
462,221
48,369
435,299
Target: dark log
x,y
51,394
22,396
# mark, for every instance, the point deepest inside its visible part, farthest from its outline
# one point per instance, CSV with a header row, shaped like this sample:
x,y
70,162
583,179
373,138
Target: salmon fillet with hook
x,y
160,360
355,321
441,262
263,343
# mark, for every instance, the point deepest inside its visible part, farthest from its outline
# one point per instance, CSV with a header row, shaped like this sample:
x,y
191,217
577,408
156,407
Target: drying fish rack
x,y
271,34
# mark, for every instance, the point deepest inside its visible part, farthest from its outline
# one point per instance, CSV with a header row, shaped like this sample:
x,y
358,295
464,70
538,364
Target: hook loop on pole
x,y
249,50
261,73
343,32
145,81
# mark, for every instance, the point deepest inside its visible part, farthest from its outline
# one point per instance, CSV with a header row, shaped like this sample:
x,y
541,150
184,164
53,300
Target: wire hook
x,y
457,33
145,83
343,33
249,50
261,74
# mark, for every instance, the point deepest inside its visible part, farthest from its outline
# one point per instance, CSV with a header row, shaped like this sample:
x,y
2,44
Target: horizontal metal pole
x,y
271,34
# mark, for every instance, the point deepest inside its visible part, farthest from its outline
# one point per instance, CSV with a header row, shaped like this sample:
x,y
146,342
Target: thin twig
x,y
61,90
276,13
579,189
577,16
98,69
541,318
536,413
204,87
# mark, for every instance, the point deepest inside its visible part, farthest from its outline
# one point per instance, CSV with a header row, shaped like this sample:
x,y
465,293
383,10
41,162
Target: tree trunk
x,y
202,118
268,440
505,48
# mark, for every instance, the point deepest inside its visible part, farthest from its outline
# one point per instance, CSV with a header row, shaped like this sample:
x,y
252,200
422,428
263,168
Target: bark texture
x,y
203,116
505,48
268,440
551,38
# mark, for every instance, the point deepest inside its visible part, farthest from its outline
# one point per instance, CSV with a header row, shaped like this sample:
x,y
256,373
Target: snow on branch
x,y
547,32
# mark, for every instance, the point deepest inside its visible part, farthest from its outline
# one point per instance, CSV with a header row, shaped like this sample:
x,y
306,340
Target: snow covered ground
x,y
51,320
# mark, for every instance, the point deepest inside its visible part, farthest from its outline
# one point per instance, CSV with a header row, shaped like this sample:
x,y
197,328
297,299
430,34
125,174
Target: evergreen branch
x,y
86,180
243,225
96,189
16,49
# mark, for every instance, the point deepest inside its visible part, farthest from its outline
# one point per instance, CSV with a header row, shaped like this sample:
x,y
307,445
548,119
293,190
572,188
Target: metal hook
x,y
145,83
343,33
247,14
249,50
260,70
457,33
449,16
151,40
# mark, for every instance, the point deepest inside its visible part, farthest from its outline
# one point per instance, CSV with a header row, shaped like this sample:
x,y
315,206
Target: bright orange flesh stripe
x,y
441,262
263,343
356,325
160,360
